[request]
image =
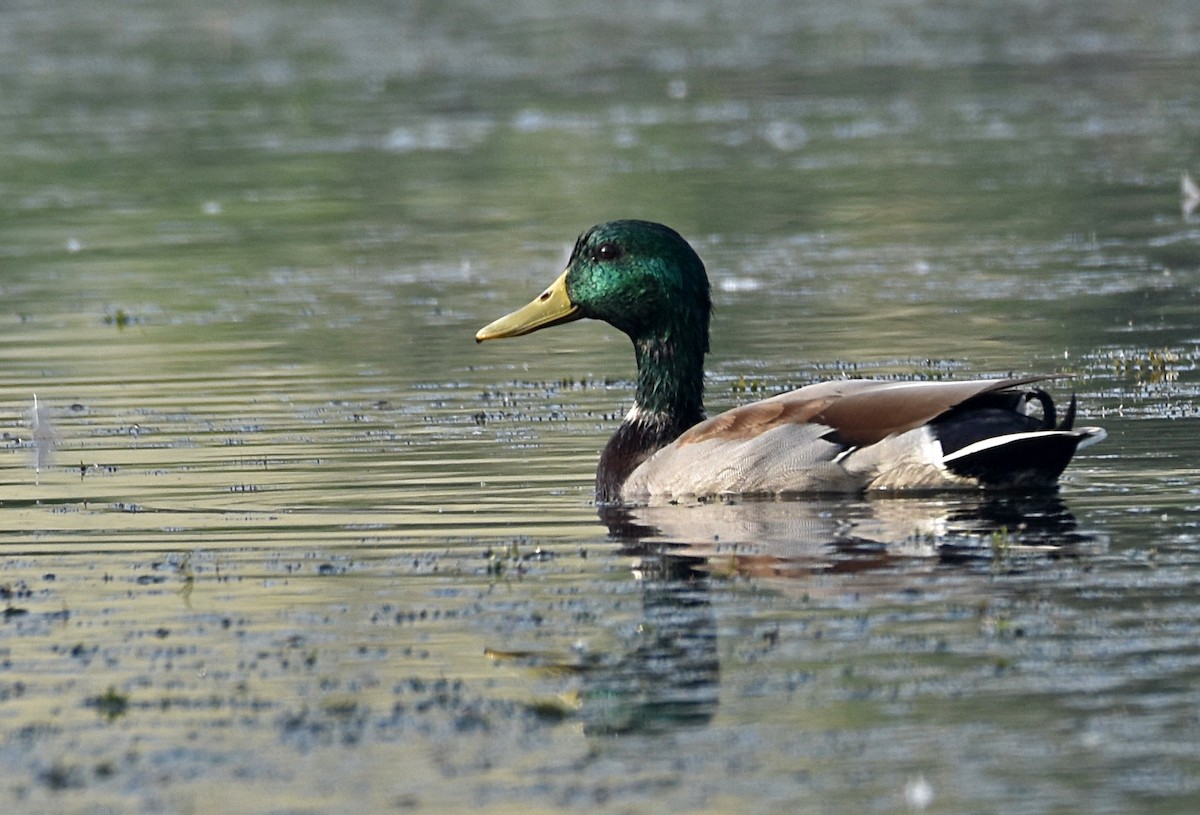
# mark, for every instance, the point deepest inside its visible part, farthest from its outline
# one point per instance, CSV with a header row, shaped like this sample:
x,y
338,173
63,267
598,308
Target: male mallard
x,y
840,436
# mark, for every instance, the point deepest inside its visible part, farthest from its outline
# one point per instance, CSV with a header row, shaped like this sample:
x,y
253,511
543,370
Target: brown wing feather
x,y
862,411
755,418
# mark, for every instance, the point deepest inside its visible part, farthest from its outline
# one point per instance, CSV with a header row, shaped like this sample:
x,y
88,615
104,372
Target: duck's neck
x,y
669,399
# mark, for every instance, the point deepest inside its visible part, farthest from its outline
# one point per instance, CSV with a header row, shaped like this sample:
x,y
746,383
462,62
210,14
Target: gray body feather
x,y
780,446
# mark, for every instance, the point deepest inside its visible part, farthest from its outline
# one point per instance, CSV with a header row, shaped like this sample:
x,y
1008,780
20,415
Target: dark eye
x,y
608,251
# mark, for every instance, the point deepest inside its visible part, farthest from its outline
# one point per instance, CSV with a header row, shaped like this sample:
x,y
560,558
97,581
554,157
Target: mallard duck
x,y
848,435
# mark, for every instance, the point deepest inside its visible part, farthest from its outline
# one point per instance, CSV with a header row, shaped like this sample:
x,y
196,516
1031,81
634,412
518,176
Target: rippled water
x,y
279,537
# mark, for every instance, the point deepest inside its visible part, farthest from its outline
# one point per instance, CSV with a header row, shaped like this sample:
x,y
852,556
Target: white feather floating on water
x,y
43,437
1191,194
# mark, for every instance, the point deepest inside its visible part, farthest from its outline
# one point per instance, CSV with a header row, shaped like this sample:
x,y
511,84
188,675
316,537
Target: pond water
x,y
277,536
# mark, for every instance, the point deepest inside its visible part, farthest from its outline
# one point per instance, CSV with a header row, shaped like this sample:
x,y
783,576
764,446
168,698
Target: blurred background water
x,y
278,536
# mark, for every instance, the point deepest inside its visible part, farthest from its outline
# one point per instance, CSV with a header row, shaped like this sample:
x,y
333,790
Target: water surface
x,y
282,538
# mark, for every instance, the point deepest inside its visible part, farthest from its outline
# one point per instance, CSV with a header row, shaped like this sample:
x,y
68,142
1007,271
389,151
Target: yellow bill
x,y
551,307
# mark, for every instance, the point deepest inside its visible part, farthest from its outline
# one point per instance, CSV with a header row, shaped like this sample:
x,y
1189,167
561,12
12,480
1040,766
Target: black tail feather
x,y
1020,461
1047,403
1068,421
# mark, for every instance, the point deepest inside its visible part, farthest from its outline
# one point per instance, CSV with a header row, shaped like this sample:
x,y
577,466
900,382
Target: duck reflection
x,y
663,673
667,675
670,677
794,539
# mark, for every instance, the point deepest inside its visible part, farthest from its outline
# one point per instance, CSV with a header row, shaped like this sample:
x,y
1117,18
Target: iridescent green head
x,y
638,276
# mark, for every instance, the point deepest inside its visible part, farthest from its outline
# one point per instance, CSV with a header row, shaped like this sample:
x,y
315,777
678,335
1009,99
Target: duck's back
x,y
858,434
